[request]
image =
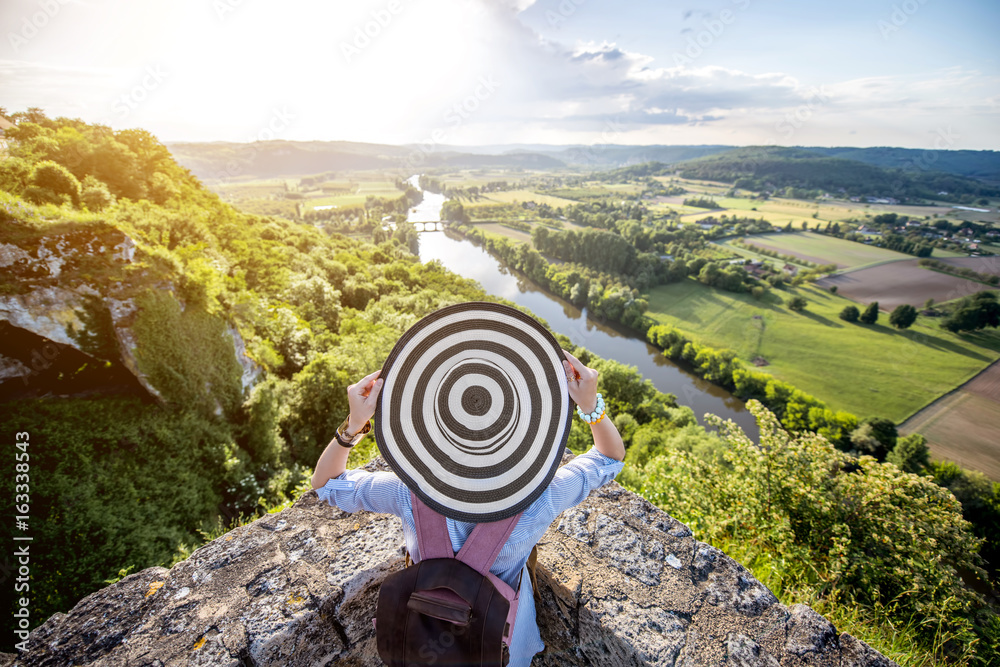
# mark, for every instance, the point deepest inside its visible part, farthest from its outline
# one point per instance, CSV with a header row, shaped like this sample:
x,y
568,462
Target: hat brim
x,y
474,412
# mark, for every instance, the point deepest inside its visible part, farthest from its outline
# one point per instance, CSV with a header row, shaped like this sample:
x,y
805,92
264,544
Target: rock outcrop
x,y
620,583
57,304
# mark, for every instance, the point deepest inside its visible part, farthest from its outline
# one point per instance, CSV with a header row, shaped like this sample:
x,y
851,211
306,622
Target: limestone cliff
x,y
621,583
65,300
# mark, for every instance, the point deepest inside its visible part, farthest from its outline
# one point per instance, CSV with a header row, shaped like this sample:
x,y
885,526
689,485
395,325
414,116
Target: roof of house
x,y
5,124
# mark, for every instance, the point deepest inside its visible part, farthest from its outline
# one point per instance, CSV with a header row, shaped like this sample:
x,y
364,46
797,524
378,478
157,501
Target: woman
x,y
476,387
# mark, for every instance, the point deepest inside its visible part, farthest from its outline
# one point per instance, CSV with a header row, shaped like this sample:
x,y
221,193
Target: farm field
x,y
476,177
729,247
502,230
988,265
901,282
338,201
518,196
867,370
821,249
963,426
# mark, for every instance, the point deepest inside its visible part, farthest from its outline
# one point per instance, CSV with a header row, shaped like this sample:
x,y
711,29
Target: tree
x,y
798,303
833,289
14,174
96,196
884,432
903,316
50,177
910,454
973,313
849,314
453,211
870,316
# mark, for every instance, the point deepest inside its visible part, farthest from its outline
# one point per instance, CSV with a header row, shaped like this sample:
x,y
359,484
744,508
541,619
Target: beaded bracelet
x,y
597,415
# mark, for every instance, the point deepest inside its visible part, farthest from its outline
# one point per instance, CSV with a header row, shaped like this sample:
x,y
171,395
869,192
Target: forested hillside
x,y
280,158
761,168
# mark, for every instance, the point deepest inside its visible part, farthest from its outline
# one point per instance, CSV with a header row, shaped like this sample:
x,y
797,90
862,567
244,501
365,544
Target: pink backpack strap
x,y
483,545
433,540
479,552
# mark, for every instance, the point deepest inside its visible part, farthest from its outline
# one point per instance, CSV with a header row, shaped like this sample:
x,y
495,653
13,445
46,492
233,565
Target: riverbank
x,y
907,381
608,340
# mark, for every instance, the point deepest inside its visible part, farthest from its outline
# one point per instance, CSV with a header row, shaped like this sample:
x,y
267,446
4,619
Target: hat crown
x,y
474,413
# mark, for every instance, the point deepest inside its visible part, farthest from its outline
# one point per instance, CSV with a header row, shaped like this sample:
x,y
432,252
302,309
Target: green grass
x,y
729,247
938,252
866,370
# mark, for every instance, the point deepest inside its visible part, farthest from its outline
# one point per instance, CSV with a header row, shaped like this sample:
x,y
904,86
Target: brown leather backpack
x,y
448,609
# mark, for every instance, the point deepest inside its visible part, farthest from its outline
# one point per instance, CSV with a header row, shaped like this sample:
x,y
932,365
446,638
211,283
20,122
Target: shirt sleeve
x,y
356,490
574,481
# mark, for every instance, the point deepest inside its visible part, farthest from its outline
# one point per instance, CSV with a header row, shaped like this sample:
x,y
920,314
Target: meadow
x,y
870,370
517,197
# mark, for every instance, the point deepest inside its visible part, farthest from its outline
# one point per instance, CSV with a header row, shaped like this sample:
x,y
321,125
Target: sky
x,y
912,73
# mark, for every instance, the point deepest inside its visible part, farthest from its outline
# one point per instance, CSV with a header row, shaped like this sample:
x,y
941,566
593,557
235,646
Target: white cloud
x,y
226,78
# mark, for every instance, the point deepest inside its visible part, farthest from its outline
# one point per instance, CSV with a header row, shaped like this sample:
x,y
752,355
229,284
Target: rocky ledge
x,y
620,583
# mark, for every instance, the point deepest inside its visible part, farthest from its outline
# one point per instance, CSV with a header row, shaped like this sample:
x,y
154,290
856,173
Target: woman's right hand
x,y
582,383
362,397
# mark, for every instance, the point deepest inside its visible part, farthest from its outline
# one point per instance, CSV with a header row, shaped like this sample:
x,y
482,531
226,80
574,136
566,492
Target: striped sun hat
x,y
474,412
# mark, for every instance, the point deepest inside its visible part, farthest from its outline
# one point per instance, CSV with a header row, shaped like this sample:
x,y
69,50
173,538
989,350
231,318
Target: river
x,y
608,341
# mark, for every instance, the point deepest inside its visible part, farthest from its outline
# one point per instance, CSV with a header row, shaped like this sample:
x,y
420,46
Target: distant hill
x,y
275,159
618,156
765,167
983,165
272,159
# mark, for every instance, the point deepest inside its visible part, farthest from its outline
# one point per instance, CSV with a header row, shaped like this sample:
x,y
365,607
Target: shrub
x,y
798,303
852,530
55,178
850,314
903,316
870,316
96,196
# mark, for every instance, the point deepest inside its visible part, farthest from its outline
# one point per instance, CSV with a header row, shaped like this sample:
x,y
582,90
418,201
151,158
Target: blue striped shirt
x,y
384,492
